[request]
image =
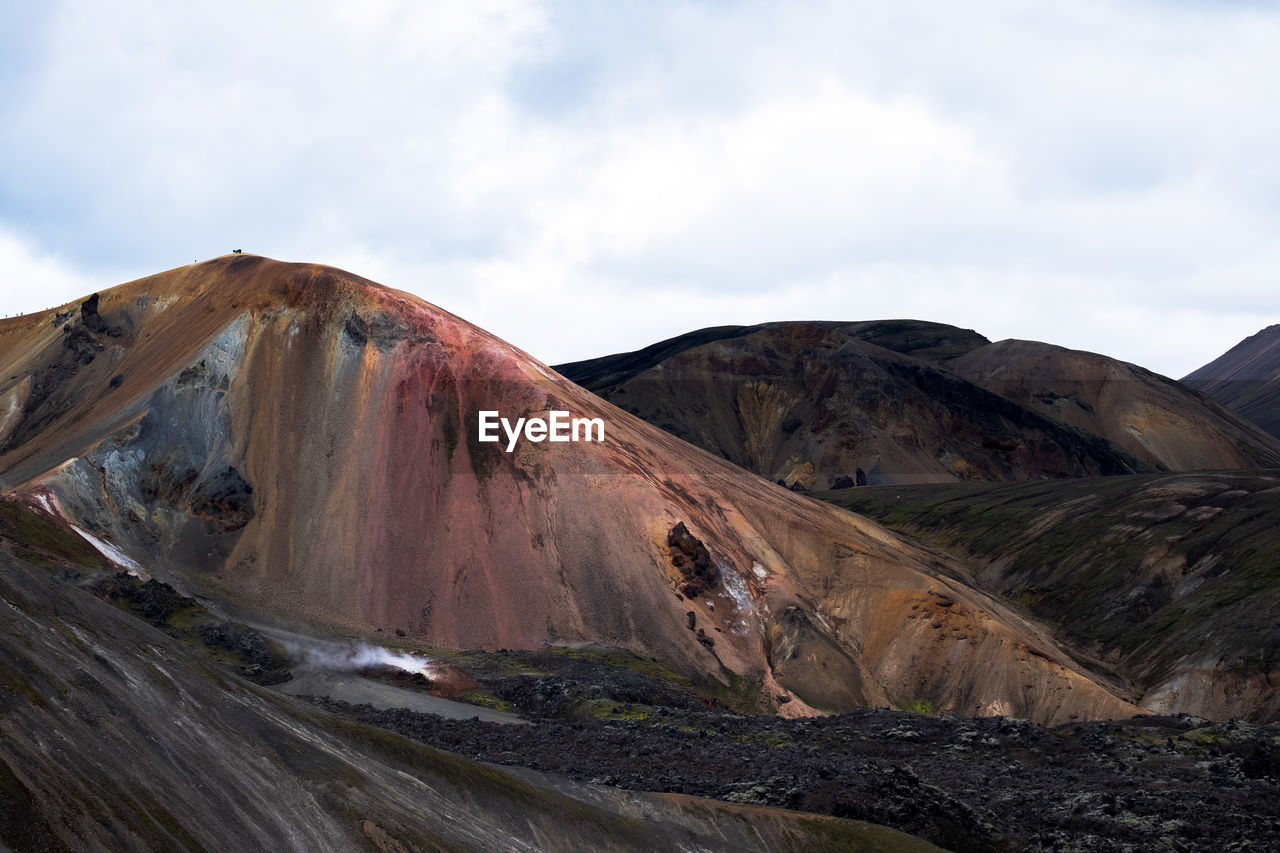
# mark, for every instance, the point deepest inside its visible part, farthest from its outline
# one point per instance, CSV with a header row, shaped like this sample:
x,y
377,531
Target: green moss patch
x,y
1152,568
45,541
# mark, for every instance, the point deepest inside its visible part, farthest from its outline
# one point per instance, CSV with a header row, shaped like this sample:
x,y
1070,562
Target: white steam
x,y
363,656
354,656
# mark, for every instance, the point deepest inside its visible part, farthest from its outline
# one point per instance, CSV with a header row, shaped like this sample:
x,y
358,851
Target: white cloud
x,y
34,281
582,178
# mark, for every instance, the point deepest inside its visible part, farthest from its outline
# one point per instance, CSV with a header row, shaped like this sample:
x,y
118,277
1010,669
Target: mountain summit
x,y
818,405
300,442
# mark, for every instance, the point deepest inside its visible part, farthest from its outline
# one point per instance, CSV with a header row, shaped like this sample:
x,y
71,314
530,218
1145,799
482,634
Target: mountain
x,y
1158,420
117,737
133,730
932,341
810,404
1171,580
1246,379
295,441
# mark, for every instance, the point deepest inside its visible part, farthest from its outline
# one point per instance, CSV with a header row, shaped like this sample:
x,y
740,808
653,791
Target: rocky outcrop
x,y
64,364
224,500
692,560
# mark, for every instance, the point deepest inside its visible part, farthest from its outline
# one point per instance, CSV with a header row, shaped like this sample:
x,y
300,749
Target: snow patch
x,y
822,619
111,552
546,374
737,589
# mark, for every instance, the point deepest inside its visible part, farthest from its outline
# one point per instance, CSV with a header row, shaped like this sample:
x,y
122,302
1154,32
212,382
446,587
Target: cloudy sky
x,y
588,177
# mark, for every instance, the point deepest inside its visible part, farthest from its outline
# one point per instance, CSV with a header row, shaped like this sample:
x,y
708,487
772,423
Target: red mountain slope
x,y
304,442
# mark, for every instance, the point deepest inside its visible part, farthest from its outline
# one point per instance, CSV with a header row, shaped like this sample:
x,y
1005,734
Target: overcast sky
x,y
589,177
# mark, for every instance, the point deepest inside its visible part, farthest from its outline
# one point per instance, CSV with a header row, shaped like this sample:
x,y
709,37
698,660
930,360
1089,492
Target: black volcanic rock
x,y
993,784
90,317
690,556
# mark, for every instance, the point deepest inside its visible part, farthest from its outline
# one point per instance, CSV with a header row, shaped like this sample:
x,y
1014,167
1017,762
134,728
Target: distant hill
x,y
1160,421
813,404
934,341
1246,379
822,404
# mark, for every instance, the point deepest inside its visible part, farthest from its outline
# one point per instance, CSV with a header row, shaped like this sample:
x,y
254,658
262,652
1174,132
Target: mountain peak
x,y
305,444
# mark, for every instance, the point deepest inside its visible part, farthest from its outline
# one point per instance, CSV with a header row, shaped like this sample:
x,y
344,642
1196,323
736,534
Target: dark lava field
x,y
986,784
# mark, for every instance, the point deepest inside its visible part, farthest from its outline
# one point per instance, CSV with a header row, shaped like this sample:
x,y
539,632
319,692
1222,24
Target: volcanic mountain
x,y
1162,422
816,404
296,441
1246,379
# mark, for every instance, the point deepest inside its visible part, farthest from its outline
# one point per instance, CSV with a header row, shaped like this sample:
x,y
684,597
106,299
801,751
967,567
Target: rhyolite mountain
x,y
1158,420
822,404
815,404
1171,581
298,442
1246,379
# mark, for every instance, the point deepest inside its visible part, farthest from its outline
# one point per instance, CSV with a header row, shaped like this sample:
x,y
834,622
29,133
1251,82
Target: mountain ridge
x,y
814,404
811,403
1246,378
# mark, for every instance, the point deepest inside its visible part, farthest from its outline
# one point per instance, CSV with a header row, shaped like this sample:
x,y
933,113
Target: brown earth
x,y
821,404
1160,421
299,441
